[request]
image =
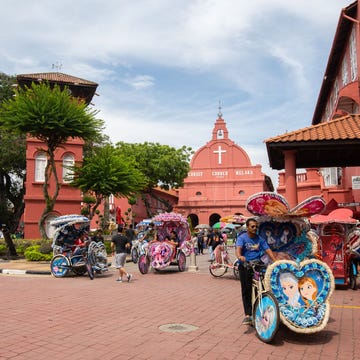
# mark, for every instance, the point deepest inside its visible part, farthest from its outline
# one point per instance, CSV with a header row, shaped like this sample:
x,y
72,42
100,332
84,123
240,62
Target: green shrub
x,y
33,253
45,248
3,249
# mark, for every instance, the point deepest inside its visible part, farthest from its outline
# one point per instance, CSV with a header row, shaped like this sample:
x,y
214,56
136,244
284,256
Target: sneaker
x,y
129,277
247,320
119,280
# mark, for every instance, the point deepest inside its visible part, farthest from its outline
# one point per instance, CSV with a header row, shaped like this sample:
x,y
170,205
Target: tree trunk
x,y
50,201
9,243
106,210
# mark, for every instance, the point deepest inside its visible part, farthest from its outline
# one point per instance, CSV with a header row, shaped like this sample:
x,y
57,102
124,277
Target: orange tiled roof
x,y
344,128
57,77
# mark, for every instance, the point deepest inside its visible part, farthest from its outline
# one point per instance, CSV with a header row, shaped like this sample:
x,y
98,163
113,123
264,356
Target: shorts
x,y
120,260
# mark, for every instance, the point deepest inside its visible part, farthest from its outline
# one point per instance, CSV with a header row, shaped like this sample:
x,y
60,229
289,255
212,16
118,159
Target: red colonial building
x,y
69,199
220,180
329,148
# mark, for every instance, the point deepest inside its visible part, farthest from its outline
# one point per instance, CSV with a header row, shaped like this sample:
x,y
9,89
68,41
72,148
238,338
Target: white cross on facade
x,y
219,151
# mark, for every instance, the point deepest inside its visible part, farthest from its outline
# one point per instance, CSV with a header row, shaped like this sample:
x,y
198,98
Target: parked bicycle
x,y
224,262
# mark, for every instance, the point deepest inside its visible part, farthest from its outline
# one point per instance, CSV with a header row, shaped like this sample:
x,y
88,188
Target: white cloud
x,y
163,65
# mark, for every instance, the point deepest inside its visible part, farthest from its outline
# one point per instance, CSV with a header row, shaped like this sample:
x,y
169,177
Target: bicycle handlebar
x,y
255,265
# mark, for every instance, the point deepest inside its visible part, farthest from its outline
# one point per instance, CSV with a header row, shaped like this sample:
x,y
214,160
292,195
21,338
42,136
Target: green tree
x,y
53,116
161,165
106,172
12,171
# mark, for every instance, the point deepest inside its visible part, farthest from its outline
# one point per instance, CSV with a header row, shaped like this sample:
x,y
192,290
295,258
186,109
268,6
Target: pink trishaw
x,y
339,244
163,252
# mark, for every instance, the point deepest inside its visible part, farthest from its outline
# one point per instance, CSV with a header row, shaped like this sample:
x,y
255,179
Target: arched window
x,y
40,165
198,193
68,175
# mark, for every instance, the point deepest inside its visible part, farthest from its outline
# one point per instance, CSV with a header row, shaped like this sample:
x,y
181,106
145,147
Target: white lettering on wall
x,y
219,173
195,173
243,172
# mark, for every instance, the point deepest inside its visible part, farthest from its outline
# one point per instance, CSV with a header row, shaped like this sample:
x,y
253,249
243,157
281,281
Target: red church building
x,y
220,180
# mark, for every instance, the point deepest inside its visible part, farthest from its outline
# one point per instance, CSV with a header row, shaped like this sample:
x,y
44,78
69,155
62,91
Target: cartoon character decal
x,y
302,291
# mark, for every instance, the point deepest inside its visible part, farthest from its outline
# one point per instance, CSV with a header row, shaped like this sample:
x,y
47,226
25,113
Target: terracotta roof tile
x,y
344,128
57,77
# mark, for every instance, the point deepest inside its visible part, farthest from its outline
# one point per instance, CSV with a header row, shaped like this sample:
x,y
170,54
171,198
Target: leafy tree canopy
x,y
162,165
107,172
49,114
12,170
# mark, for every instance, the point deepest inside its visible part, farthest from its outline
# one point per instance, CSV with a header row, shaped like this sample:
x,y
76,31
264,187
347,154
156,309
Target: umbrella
x,y
238,219
219,225
231,226
202,226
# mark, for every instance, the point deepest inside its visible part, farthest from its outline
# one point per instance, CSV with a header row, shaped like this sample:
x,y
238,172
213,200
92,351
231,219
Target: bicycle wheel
x,y
134,255
352,283
266,317
143,264
181,261
352,276
217,270
90,271
236,270
59,266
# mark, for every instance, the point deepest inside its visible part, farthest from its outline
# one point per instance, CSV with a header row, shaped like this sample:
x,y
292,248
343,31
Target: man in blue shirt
x,y
249,247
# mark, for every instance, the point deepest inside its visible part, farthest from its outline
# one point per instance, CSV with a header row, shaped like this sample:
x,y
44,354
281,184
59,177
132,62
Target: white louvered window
x,y
353,58
331,176
68,175
40,165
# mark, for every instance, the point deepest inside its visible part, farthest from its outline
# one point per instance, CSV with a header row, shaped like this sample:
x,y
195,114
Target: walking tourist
x,y
119,245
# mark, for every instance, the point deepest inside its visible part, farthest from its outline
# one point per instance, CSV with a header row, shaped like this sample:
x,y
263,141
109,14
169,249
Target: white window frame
x,y
67,174
40,165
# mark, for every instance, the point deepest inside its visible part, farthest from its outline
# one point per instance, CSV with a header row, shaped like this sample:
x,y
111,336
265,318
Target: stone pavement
x,y
160,315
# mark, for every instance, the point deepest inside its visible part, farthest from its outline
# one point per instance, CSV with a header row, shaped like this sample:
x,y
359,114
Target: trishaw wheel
x,y
181,261
59,266
217,270
236,273
143,264
134,255
90,271
352,282
266,317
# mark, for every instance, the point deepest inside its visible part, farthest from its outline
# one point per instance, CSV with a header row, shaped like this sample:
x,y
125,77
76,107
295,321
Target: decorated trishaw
x,y
139,245
73,255
339,244
163,252
298,285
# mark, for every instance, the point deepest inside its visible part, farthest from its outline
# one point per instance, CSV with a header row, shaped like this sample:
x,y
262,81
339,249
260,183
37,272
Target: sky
x,y
164,66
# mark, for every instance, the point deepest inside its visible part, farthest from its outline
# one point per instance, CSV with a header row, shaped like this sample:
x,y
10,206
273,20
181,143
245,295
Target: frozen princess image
x,y
290,287
269,238
285,236
266,320
308,290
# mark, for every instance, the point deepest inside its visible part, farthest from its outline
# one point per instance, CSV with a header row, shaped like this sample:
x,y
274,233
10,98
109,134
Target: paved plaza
x,y
160,315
